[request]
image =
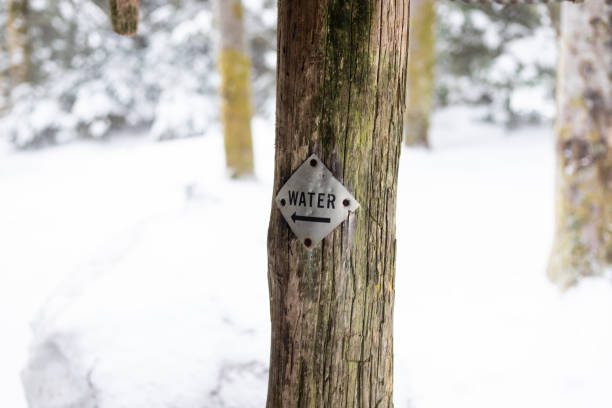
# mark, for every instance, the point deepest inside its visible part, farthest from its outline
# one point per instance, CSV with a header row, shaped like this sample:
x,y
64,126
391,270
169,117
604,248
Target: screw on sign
x,y
314,202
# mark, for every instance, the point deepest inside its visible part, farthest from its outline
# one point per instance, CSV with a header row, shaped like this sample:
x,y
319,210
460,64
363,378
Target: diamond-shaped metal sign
x,y
314,202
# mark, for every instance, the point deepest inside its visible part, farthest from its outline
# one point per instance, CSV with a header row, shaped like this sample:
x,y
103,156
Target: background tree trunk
x,y
235,69
124,16
341,90
18,42
583,242
554,12
4,77
421,63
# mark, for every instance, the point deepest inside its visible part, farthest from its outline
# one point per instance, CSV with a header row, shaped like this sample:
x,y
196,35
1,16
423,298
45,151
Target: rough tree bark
x,y
583,242
341,89
124,16
420,82
18,42
235,69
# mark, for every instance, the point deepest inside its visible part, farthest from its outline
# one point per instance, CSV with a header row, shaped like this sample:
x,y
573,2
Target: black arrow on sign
x,y
296,217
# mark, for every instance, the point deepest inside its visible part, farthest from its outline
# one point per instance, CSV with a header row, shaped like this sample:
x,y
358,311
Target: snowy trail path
x,y
477,323
67,213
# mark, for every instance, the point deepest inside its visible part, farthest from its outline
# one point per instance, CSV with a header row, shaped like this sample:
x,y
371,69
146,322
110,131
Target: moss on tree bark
x,y
420,82
235,69
341,90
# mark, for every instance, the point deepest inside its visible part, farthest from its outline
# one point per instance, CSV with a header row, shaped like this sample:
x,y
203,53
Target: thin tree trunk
x,y
18,42
235,69
4,78
341,89
124,16
420,82
583,242
554,12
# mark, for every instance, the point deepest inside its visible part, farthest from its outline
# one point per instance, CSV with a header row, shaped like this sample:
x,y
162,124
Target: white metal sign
x,y
314,202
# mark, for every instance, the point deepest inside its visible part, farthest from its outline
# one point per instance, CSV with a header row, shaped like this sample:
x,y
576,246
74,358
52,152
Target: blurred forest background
x,y
132,268
79,80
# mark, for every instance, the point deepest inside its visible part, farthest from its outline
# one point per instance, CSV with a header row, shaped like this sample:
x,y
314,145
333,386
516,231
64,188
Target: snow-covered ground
x,y
142,270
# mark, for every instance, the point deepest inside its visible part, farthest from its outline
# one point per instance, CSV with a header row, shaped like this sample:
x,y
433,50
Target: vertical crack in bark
x,y
348,105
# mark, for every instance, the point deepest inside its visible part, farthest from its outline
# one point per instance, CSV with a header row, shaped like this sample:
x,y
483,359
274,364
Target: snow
x,y
142,267
477,322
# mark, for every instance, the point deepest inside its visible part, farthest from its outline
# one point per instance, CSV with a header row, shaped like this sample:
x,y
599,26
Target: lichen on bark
x,y
236,111
235,69
583,242
420,83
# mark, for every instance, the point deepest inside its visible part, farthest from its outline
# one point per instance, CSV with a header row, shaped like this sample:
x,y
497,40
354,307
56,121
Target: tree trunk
x,y
583,242
341,89
4,80
235,70
18,42
420,82
554,12
124,16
